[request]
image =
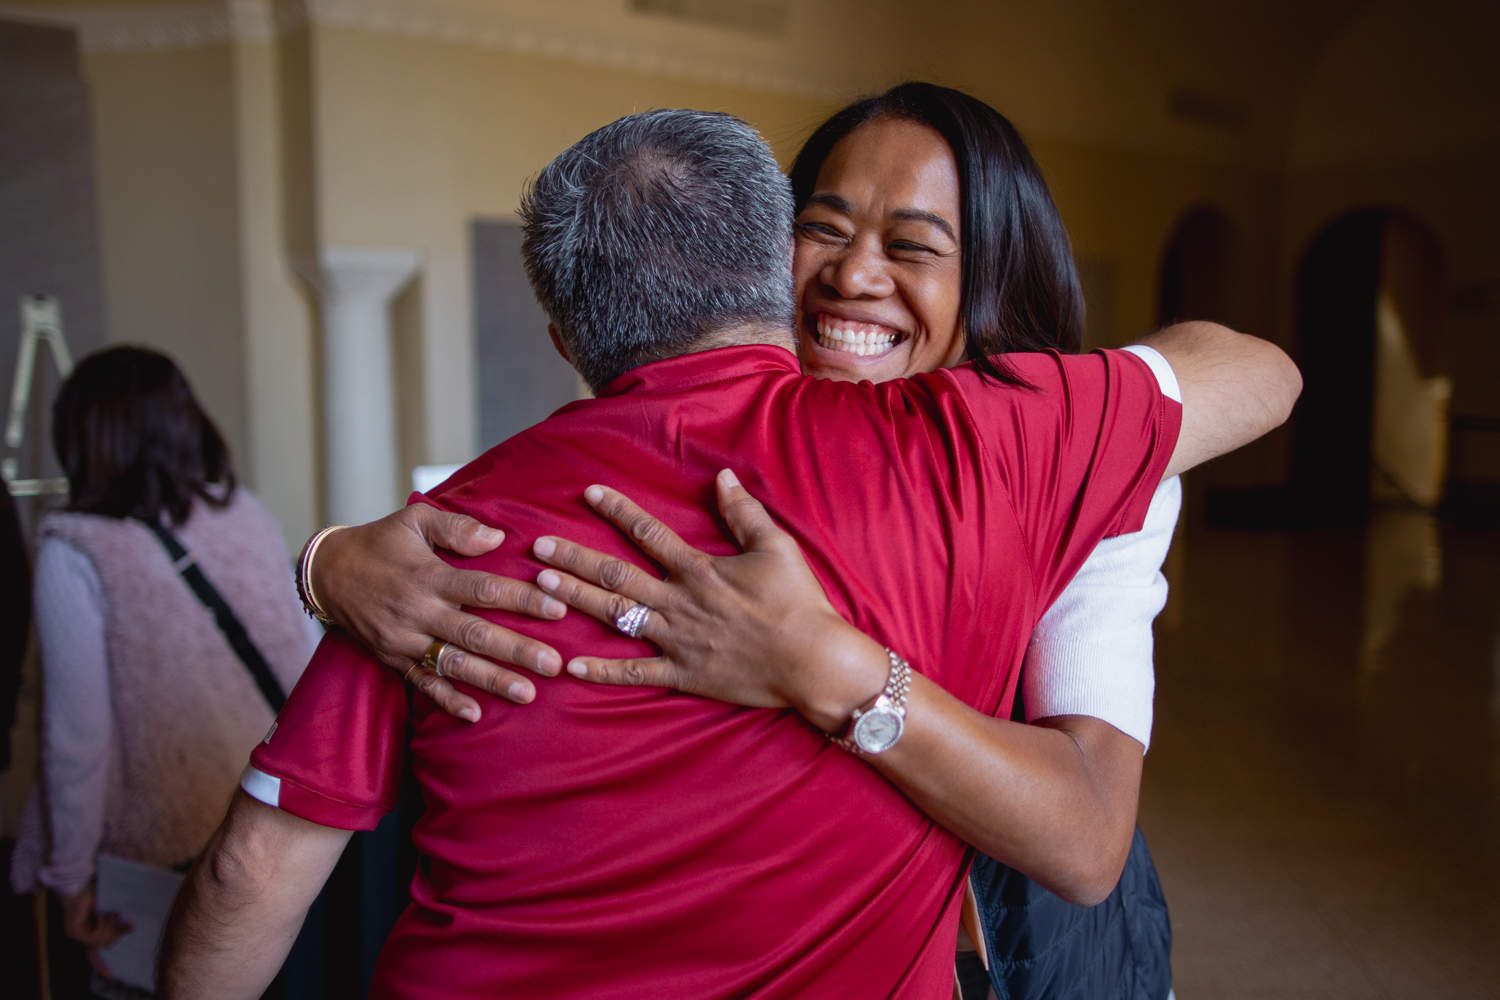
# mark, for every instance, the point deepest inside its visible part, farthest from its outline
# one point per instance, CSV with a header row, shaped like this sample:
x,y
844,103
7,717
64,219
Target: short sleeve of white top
x,y
1092,652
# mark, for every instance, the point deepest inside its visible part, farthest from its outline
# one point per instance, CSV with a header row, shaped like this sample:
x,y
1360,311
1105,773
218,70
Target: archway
x,y
1196,268
1370,299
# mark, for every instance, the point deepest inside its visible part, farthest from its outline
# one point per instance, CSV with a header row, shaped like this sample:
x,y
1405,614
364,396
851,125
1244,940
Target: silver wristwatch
x,y
876,729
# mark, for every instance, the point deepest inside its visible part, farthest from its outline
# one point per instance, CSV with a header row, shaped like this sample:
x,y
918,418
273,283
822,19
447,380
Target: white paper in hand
x,y
143,895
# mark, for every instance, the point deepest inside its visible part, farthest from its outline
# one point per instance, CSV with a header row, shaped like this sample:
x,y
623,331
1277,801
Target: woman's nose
x,y
858,273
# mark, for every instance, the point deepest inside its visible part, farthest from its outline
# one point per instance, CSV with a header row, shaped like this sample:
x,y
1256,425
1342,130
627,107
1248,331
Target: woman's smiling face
x,y
878,264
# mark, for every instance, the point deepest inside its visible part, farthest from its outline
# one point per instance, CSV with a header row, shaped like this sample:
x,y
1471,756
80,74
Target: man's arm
x,y
243,903
1235,388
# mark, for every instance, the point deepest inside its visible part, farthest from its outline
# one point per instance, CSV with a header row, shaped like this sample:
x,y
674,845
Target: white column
x,y
356,286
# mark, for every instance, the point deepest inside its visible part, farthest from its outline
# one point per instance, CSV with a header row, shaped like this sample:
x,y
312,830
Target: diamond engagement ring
x,y
631,621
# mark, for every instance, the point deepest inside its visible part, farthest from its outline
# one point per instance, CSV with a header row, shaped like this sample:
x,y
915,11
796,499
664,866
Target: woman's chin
x,y
824,362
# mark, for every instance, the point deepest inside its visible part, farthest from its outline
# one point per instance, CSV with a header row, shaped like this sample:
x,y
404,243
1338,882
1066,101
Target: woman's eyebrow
x,y
917,215
840,204
833,201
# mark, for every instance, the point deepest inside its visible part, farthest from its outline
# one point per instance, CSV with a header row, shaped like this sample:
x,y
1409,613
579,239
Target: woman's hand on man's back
x,y
382,583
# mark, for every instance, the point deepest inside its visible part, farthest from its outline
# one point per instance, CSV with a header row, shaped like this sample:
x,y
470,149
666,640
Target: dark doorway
x,y
1357,262
1337,286
1196,269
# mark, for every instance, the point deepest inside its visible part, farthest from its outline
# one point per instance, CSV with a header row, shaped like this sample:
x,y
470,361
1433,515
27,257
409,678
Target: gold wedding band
x,y
433,660
414,665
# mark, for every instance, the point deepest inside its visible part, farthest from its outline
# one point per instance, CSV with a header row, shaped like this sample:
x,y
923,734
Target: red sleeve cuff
x,y
322,808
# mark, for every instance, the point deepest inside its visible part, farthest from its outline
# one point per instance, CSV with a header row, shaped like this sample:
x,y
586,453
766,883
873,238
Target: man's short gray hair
x,y
655,231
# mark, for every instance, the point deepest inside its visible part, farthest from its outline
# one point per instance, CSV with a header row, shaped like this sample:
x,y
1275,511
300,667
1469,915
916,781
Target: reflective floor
x,y
1323,791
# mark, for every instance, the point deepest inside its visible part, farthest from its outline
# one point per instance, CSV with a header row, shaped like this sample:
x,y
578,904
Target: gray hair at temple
x,y
655,231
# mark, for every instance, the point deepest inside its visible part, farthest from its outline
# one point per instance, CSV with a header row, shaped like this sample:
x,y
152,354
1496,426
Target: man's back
x,y
637,842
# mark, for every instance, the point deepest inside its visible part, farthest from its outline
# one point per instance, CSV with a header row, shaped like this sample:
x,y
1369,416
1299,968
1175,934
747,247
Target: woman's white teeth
x,y
859,339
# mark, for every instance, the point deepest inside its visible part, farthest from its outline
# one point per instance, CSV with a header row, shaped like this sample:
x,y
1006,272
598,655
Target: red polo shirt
x,y
626,842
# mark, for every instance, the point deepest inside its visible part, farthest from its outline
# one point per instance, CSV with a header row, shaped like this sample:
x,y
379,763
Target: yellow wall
x,y
164,127
281,357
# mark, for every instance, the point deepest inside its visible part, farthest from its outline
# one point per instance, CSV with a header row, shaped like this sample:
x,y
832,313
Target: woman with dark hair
x,y
926,236
1018,286
169,632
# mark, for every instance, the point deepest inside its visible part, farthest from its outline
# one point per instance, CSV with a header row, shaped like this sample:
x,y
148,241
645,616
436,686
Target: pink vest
x,y
186,712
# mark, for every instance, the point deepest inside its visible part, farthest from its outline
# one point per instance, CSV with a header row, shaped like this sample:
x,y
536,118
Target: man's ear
x,y
557,342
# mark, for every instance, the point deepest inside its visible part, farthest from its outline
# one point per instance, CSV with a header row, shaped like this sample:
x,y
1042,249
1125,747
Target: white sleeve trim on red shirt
x,y
1092,652
261,786
1166,378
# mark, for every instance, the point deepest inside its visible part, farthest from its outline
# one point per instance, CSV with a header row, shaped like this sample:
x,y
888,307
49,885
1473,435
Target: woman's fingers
x,y
460,666
656,671
473,646
605,605
653,537
746,516
609,572
476,589
443,694
455,532
475,641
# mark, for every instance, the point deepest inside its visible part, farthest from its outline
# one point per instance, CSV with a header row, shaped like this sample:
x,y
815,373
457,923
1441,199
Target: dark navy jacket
x,y
1042,948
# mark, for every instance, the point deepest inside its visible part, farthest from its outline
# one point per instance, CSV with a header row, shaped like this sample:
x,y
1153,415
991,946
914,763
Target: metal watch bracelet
x,y
876,728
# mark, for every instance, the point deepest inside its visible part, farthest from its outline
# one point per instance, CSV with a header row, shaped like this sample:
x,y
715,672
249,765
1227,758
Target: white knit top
x,y
1092,652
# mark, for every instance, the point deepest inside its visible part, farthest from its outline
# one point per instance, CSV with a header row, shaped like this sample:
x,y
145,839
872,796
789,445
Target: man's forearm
x,y
243,903
1235,388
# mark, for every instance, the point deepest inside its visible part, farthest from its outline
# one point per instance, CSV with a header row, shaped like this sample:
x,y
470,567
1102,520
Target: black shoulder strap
x,y
239,639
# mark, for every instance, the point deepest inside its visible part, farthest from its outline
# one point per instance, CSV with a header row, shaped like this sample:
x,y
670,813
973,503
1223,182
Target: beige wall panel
x,y
280,350
164,126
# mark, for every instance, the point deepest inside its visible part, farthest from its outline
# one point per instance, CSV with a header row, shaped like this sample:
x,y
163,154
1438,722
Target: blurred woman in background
x,y
169,631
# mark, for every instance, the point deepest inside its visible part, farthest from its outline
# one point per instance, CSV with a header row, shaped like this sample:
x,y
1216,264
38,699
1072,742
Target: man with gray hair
x,y
634,842
665,233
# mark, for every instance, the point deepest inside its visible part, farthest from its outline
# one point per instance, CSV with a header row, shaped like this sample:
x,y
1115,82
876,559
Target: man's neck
x,y
745,335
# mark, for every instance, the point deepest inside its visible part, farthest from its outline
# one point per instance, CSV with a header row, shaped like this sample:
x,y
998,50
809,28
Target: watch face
x,y
878,730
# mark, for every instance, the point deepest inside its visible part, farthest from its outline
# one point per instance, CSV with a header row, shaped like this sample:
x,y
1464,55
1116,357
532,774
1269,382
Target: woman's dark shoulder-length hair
x,y
133,440
1020,285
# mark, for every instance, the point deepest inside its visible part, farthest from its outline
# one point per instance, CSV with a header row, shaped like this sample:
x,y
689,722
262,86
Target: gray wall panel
x,y
49,231
521,377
